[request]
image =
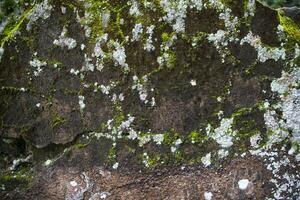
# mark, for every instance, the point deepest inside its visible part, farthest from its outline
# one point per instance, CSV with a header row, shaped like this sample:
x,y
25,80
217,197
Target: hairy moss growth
x,y
290,27
13,27
21,179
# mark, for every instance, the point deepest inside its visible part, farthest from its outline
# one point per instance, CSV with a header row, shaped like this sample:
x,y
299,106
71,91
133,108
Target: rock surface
x,y
150,100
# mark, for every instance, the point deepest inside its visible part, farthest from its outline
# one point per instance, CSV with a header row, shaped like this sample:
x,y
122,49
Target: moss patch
x,y
12,27
290,27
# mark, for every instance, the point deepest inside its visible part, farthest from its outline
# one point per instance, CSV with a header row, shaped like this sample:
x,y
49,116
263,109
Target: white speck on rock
x,y
47,162
208,195
82,47
63,10
81,102
178,142
173,149
119,55
115,166
222,153
243,184
193,82
73,183
75,72
206,160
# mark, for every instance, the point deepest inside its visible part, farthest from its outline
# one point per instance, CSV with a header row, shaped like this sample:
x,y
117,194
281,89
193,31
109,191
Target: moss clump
x,y
170,138
57,121
112,154
151,161
119,116
12,27
196,137
290,27
80,146
22,178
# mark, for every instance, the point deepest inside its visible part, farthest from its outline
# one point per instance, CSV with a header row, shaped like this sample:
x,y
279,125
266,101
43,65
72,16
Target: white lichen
x,y
81,191
218,37
175,14
48,162
158,138
75,72
119,56
81,102
250,11
137,31
224,134
64,41
115,166
18,162
264,53
140,86
134,9
289,105
41,10
88,64
63,9
206,160
37,65
149,42
98,52
254,140
222,153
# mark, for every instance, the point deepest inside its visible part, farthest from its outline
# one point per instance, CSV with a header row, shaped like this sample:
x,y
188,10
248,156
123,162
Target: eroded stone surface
x,y
131,91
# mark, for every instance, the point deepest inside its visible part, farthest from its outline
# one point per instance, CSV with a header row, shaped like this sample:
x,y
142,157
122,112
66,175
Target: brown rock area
x,y
166,99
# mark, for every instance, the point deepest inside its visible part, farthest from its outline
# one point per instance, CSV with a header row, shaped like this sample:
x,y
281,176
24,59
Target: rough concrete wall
x,y
116,98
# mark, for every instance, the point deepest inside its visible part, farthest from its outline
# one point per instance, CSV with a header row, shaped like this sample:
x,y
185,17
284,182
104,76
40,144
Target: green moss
x,y
198,37
290,27
151,161
9,90
57,120
165,37
112,154
22,178
196,137
80,146
94,21
102,127
119,117
170,137
171,60
12,27
55,63
242,111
